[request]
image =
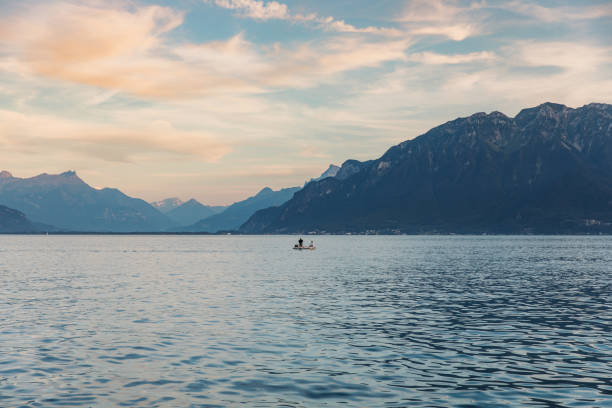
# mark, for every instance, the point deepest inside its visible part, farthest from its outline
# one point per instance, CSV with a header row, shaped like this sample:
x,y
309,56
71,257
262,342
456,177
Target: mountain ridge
x,y
236,214
67,202
486,173
233,216
166,205
192,211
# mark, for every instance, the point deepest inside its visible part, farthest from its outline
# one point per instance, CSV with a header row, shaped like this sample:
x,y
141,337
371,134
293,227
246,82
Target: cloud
x,y
432,11
458,32
90,43
460,20
559,13
518,75
256,9
441,18
433,58
235,57
125,48
308,65
331,24
309,151
48,135
260,10
259,171
569,56
76,33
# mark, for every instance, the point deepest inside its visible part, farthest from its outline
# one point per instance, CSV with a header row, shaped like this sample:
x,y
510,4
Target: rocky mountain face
x,y
332,171
68,203
547,170
192,211
236,214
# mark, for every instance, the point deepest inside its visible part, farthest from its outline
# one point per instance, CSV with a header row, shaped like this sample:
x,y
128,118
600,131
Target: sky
x,y
216,99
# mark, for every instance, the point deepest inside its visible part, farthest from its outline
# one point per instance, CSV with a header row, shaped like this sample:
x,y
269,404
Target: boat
x,y
300,246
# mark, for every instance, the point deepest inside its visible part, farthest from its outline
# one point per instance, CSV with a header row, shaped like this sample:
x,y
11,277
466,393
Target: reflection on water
x,y
362,321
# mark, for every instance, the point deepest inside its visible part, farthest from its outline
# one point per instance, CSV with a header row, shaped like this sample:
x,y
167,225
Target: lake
x,y
363,321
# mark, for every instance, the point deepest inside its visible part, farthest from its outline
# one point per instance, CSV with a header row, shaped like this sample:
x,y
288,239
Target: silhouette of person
x,y
301,242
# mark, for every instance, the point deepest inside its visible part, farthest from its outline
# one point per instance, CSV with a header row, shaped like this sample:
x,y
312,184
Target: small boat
x,y
300,246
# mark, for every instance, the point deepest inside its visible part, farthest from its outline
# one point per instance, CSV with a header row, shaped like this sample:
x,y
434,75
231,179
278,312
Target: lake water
x,y
370,321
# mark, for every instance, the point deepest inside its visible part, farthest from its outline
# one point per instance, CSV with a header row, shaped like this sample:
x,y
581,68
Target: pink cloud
x,y
125,49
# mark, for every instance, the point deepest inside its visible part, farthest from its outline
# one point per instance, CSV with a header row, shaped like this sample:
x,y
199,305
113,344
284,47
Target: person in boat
x,y
300,243
311,244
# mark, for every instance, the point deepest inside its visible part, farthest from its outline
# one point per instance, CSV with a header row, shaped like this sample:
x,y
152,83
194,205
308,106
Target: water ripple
x,y
362,321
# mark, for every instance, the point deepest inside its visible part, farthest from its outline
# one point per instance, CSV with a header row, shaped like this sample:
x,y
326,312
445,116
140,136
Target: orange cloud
x,y
91,43
34,133
125,49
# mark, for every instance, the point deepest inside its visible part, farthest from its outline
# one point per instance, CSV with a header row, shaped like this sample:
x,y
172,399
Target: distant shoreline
x,y
432,234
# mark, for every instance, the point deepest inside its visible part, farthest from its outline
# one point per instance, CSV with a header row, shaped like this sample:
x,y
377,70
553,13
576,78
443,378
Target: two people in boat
x,y
300,244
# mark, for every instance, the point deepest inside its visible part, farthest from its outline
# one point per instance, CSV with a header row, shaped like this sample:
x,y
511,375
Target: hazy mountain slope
x,y
549,169
232,217
236,214
192,211
67,202
13,221
167,205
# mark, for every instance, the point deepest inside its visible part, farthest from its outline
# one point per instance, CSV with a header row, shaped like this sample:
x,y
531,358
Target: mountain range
x,y
68,203
547,170
238,213
65,203
233,216
186,212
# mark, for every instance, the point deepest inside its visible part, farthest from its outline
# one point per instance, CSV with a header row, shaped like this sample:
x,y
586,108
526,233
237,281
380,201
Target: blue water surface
x,y
363,321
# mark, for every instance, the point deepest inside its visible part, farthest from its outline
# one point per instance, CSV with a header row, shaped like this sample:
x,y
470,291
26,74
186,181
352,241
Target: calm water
x,y
361,322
